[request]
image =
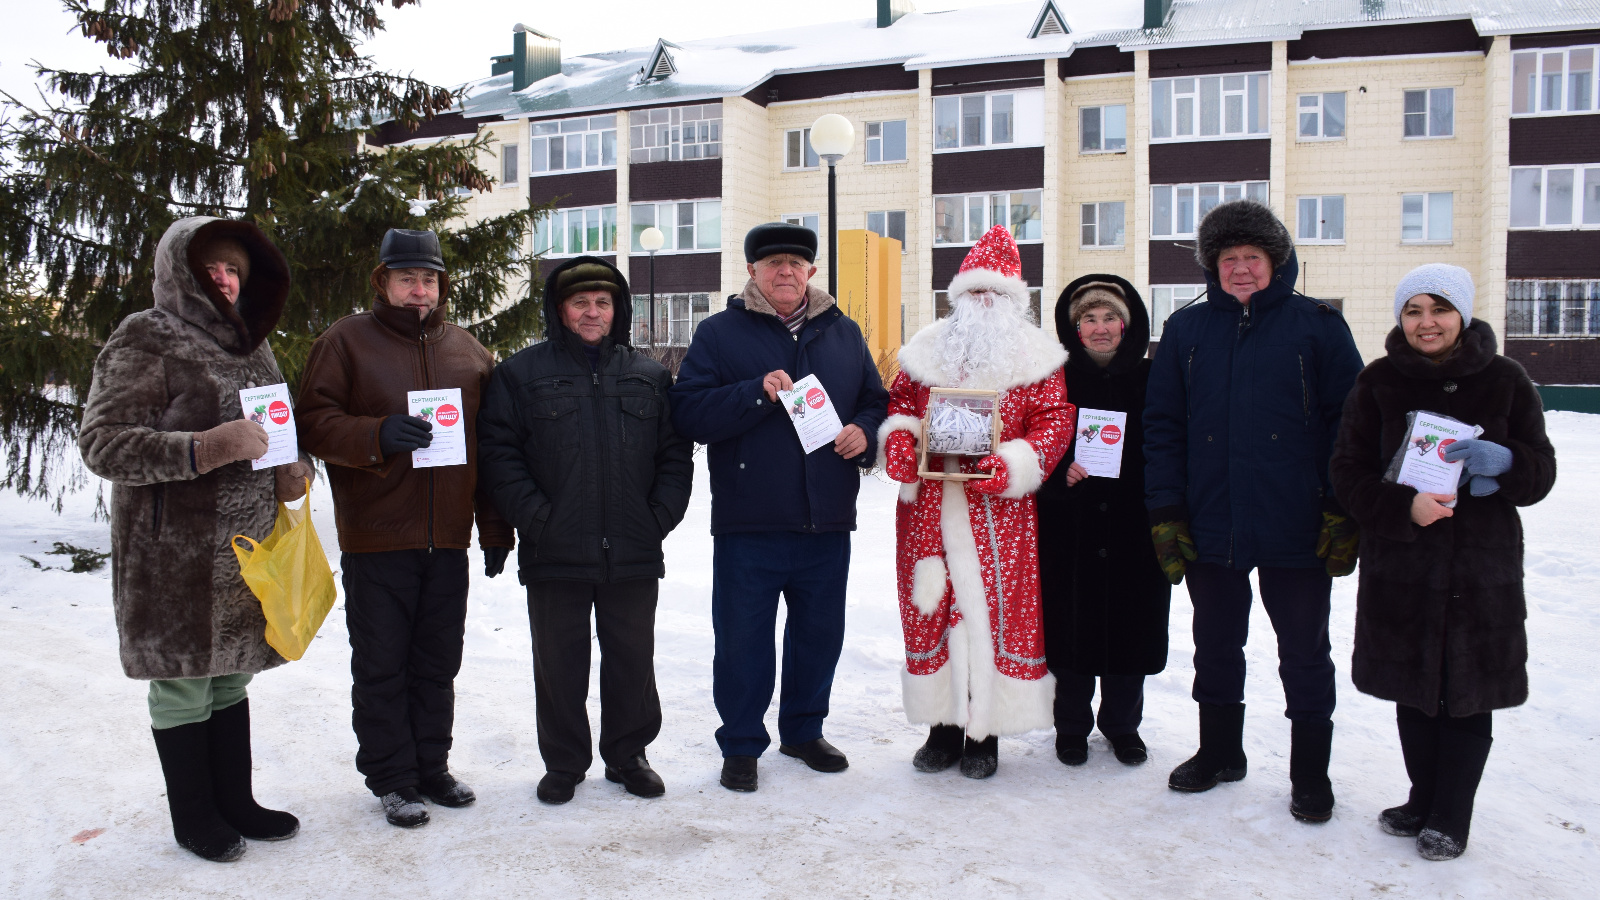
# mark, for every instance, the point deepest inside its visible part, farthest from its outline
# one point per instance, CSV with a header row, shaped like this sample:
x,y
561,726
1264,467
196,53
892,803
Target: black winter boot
x,y
1072,749
942,749
228,731
186,763
1461,760
1310,791
980,759
1419,746
1129,748
1221,756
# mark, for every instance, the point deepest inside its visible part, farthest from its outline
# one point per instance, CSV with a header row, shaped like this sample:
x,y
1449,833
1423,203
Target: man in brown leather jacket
x,y
404,531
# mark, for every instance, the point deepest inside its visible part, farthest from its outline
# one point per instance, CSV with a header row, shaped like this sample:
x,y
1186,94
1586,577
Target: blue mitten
x,y
1483,485
1482,457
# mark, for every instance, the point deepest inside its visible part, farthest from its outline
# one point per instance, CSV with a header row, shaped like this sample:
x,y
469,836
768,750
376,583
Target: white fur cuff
x,y
1022,468
899,422
928,581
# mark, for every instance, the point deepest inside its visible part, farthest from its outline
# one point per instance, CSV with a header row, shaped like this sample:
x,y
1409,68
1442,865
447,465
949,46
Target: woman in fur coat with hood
x,y
163,424
1440,609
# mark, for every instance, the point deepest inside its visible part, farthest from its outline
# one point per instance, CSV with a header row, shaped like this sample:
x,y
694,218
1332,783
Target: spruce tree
x,y
247,109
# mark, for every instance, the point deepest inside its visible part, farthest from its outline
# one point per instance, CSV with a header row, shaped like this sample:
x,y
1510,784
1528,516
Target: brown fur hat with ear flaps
x,y
1238,223
1097,294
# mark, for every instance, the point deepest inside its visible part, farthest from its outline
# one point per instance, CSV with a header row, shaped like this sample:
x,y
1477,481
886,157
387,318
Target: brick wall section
x,y
832,83
1557,362
689,179
1554,39
445,125
1189,161
1172,262
990,77
1388,40
594,187
1553,254
678,272
1214,60
971,171
1091,178
1094,61
1553,140
747,177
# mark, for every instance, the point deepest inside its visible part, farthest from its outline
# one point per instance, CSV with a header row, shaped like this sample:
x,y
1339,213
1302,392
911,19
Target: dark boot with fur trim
x,y
1221,756
1461,760
942,749
1419,746
196,824
980,759
1310,791
228,731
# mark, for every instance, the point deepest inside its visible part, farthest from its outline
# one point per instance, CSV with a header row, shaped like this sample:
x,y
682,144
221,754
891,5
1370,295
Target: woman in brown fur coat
x,y
163,424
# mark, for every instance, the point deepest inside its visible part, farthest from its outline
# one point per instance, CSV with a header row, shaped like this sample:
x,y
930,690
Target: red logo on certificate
x,y
1443,444
815,398
447,415
278,412
1111,434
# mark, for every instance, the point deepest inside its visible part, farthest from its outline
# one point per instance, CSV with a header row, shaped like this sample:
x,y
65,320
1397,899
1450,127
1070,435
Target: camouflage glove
x,y
1174,548
900,457
1339,543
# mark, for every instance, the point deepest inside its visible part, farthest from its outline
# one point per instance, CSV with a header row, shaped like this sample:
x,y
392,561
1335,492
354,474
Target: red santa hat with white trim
x,y
995,265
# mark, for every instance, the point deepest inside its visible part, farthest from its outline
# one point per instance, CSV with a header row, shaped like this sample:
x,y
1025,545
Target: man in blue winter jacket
x,y
780,518
1241,414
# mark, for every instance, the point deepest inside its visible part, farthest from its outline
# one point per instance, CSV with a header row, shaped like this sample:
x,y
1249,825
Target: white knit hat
x,y
1453,283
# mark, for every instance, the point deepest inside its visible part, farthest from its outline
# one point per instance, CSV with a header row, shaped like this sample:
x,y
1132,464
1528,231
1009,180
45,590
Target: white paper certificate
x,y
811,412
1423,466
1099,442
442,409
269,407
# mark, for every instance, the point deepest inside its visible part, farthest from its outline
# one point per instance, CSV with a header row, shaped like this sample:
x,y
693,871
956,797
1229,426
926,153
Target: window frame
x,y
806,151
1582,183
565,229
1017,117
539,139
1537,96
882,141
800,219
1158,322
1099,225
1427,113
1321,113
1320,215
509,162
1427,210
888,215
1531,311
988,208
695,304
1100,116
1168,87
670,247
1196,190
675,121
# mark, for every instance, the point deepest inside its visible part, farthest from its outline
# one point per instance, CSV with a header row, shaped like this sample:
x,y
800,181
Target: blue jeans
x,y
749,571
1298,603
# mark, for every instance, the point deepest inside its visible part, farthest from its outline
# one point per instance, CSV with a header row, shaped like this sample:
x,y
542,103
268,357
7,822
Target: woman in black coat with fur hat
x,y
1440,608
1103,596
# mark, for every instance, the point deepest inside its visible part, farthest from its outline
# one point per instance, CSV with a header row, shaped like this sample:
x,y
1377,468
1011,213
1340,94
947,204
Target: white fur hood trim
x,y
1041,356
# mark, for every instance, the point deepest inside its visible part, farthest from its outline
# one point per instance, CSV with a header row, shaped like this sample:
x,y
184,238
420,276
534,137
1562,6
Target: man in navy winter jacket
x,y
780,518
1241,414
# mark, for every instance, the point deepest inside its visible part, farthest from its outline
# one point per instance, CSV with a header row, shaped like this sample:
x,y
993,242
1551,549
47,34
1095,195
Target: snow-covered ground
x,y
76,759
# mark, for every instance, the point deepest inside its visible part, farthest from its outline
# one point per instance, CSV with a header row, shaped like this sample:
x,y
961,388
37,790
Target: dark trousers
x,y
1297,601
749,572
407,612
1121,704
625,625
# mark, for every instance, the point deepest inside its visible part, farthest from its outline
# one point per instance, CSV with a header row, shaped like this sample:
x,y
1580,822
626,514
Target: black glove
x,y
400,434
494,560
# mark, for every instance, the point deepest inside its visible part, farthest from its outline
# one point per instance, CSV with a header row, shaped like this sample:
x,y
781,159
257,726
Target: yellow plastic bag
x,y
289,574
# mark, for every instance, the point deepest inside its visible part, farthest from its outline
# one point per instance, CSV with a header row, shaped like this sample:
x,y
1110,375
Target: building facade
x,y
1457,131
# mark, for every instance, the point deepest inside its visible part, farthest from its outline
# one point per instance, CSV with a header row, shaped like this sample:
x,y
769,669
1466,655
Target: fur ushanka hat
x,y
1240,222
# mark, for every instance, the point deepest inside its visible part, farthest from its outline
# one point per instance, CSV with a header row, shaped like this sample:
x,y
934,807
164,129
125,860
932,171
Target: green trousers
x,y
183,701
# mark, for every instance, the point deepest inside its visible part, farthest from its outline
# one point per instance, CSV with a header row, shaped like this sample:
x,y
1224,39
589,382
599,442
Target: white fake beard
x,y
981,345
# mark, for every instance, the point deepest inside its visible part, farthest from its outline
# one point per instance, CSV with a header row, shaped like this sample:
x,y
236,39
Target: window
x,y
1212,107
1176,209
797,150
1554,81
1103,225
1552,308
508,164
571,144
1167,299
683,132
1320,220
886,141
1555,197
1430,113
1426,218
889,223
941,303
1321,116
570,232
686,225
805,220
1103,129
976,121
677,316
963,219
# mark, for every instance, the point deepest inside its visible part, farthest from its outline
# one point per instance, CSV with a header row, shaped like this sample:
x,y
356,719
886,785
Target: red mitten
x,y
900,456
995,485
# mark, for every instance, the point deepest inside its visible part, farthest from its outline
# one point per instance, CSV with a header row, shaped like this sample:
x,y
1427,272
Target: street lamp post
x,y
832,136
651,239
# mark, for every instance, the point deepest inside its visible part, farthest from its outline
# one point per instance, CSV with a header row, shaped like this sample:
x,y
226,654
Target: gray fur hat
x,y
1240,222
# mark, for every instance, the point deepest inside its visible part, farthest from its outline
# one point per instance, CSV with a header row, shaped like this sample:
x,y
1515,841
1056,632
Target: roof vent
x,y
661,64
1049,21
1156,12
889,11
534,55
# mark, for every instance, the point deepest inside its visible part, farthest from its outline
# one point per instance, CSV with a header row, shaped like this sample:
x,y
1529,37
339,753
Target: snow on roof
x,y
730,66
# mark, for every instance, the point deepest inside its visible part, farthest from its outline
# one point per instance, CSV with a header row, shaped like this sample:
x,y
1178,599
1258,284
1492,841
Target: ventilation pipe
x,y
1155,12
534,55
891,10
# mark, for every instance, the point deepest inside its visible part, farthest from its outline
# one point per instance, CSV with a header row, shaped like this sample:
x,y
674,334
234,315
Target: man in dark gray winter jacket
x,y
578,451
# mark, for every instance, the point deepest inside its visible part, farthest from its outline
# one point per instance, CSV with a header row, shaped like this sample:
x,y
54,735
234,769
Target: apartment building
x,y
1386,135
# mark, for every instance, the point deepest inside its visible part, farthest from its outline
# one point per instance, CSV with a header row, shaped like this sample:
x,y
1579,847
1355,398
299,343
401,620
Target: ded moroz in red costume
x,y
967,554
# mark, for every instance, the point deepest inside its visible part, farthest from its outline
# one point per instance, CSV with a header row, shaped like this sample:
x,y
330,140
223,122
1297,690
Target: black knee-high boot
x,y
186,763
1463,751
228,731
1419,746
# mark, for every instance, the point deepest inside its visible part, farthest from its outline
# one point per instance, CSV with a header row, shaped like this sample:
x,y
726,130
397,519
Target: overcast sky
x,y
450,42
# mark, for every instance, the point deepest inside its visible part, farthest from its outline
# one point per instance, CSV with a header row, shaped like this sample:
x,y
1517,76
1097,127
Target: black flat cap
x,y
403,248
780,237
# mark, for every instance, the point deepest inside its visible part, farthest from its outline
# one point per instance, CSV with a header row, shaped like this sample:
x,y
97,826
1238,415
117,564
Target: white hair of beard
x,y
982,344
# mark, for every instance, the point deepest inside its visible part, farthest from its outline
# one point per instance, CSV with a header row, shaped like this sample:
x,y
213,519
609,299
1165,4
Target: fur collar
x,y
818,300
1041,356
1474,351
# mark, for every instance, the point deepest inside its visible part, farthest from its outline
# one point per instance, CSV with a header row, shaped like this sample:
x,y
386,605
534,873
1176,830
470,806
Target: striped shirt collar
x,y
796,321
